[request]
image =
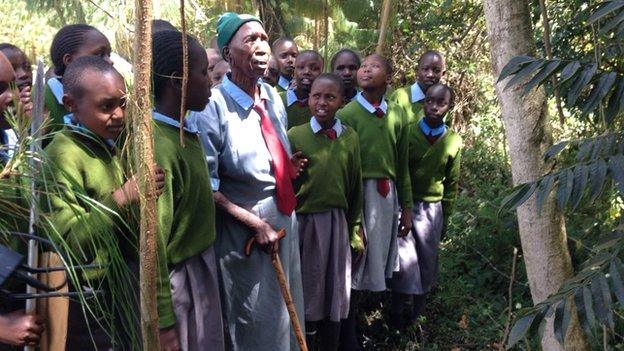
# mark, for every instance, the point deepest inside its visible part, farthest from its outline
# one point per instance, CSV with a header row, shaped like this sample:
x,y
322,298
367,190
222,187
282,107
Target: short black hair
x,y
384,61
313,53
347,52
167,60
159,25
447,88
67,41
280,41
431,53
334,79
73,78
9,47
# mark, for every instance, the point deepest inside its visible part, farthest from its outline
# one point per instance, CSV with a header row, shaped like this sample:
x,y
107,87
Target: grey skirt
x,y
325,265
418,251
381,223
196,303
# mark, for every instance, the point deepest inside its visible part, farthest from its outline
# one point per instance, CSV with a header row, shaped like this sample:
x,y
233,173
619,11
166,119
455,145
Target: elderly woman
x,y
243,129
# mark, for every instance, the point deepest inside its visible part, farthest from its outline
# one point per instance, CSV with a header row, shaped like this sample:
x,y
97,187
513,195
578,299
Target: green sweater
x,y
383,145
186,210
333,176
403,97
57,111
435,168
297,115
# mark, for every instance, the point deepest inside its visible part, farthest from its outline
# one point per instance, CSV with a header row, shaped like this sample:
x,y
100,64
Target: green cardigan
x,y
57,111
384,145
186,210
333,176
403,97
435,168
297,115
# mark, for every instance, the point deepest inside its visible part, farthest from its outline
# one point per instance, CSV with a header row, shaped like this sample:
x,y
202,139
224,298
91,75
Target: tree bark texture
x,y
143,150
383,26
527,128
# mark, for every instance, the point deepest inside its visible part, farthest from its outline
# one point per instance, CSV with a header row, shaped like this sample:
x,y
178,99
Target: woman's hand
x,y
129,192
405,224
169,339
299,162
20,329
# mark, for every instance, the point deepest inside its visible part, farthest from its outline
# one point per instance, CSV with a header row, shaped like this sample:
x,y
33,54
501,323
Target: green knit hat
x,y
227,26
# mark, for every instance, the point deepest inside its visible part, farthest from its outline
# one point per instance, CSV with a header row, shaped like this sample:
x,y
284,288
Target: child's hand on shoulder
x,y
299,162
20,329
129,192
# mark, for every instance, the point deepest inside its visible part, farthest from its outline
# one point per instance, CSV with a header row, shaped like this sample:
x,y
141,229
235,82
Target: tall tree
x,y
525,117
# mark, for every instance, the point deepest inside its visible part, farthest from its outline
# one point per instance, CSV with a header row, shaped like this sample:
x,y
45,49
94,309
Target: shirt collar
x,y
316,127
242,98
68,119
417,93
427,130
57,89
368,106
172,122
283,82
291,97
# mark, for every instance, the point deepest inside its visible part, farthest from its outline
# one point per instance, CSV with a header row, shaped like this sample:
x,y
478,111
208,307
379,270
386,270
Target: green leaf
x,y
519,195
582,309
614,22
584,150
602,300
555,150
604,10
616,166
524,73
600,90
568,71
596,151
598,174
580,83
564,187
514,65
544,189
616,279
614,107
520,329
542,75
560,326
581,173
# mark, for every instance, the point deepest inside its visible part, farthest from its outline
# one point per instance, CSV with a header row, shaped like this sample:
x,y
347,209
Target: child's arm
x,y
451,185
404,185
356,199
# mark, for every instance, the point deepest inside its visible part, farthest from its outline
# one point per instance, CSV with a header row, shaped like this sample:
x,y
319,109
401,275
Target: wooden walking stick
x,y
281,277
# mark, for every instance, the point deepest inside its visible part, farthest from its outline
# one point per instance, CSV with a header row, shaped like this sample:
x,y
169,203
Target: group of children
x,y
373,199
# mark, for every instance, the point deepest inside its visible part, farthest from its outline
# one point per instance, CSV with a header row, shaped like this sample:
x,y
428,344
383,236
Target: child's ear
x,y
388,79
69,102
67,59
176,80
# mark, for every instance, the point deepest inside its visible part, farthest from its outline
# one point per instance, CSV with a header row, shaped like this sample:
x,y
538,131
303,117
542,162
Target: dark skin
x,y
346,67
22,67
7,77
431,68
307,67
286,54
95,44
248,54
373,78
271,75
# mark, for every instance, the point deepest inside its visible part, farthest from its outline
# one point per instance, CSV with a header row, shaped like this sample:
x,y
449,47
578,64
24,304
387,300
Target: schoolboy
x,y
382,129
285,51
308,66
431,68
329,198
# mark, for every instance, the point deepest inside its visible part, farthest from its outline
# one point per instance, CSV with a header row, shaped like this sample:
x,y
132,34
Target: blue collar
x,y
242,98
191,128
368,106
291,97
432,131
283,82
68,119
8,140
316,127
417,94
57,89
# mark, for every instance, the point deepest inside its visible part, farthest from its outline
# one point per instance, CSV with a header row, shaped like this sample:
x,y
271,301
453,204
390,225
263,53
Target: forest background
x,y
470,309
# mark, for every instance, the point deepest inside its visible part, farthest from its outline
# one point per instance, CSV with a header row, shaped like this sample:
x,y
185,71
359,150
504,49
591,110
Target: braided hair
x,y
67,41
167,60
345,51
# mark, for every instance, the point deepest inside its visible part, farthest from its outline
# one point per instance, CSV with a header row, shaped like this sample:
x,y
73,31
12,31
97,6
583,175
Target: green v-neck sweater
x,y
384,145
435,168
57,111
403,97
297,115
186,210
332,177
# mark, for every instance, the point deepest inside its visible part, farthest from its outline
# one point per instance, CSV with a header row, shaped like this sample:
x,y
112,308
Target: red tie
x,y
330,133
383,186
282,169
378,111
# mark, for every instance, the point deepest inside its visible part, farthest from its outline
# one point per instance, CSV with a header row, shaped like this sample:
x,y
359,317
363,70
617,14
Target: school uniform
x,y
297,109
240,165
384,145
434,167
53,98
188,293
329,198
283,84
411,99
85,166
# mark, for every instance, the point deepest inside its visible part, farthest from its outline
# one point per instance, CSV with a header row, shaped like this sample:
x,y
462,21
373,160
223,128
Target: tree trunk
x,y
383,26
143,150
525,117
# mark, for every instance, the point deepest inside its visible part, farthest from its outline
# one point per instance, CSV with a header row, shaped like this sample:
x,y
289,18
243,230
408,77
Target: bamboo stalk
x,y
383,26
143,149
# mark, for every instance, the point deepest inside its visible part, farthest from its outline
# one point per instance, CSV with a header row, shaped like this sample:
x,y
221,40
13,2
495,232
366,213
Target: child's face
x,y
95,44
213,58
271,75
373,74
101,108
437,103
286,54
307,68
7,76
21,66
346,67
325,99
430,70
198,88
219,71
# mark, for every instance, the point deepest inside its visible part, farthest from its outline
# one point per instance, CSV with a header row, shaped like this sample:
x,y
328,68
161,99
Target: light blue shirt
x,y
68,119
316,127
188,126
57,89
368,106
417,94
8,140
283,82
432,131
291,97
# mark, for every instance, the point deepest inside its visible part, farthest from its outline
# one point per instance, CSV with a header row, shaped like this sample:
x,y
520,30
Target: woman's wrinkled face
x,y
248,52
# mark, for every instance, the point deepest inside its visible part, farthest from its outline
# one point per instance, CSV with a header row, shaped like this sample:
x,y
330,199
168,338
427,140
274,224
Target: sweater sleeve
x,y
451,184
356,196
404,186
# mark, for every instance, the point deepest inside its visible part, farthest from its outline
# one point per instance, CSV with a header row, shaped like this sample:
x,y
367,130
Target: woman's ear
x,y
70,103
176,80
67,59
